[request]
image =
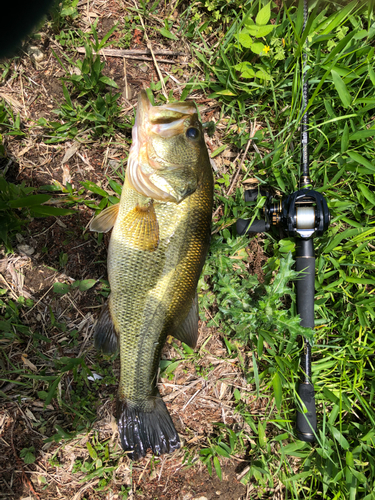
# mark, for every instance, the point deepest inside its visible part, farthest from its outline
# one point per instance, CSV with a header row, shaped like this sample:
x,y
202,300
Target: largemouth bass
x,y
160,238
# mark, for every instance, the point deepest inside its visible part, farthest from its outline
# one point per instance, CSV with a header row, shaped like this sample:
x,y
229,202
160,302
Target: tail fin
x,y
140,430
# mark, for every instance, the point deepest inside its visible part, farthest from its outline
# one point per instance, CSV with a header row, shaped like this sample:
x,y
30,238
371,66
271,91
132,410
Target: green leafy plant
x,y
10,124
82,286
28,455
17,205
62,12
87,107
249,38
339,48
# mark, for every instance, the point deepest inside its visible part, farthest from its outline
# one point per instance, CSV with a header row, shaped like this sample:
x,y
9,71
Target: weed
x,y
340,56
92,110
82,286
28,455
62,13
17,205
126,33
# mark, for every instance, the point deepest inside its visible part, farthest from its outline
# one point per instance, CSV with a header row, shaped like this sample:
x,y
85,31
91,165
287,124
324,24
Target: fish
x,y
160,237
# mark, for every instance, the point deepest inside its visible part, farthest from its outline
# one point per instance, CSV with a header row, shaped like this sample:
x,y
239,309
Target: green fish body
x,y
160,238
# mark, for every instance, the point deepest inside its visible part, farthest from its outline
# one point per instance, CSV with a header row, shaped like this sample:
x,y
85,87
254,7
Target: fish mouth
x,y
143,166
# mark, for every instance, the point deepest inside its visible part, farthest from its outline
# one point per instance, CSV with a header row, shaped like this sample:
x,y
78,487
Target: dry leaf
x,y
70,152
252,180
28,363
223,389
66,175
30,415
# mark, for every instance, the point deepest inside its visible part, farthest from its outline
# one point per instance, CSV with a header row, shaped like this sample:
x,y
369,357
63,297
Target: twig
x,y
9,287
162,466
149,46
139,58
132,52
126,92
144,470
259,153
75,307
218,401
23,99
79,493
36,303
191,399
253,130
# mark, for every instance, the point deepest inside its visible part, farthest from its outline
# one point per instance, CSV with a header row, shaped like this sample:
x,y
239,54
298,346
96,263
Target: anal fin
x,y
105,335
106,219
187,332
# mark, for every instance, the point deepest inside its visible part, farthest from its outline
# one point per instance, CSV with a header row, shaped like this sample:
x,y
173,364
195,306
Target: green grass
x,y
340,59
257,321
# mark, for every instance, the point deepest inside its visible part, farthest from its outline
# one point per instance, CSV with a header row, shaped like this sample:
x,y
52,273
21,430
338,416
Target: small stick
x,y
149,46
14,295
191,399
253,130
132,52
127,97
23,99
27,312
142,58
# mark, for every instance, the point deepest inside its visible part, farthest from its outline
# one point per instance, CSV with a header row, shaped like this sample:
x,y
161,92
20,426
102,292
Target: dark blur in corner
x,y
18,18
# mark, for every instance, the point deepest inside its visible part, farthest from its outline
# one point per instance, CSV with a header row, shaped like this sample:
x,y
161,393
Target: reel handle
x,y
305,287
258,226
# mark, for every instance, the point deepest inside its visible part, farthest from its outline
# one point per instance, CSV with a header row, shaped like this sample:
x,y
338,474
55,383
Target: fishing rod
x,y
302,215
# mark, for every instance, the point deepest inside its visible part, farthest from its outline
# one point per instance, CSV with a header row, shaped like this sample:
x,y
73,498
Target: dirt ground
x,y
195,400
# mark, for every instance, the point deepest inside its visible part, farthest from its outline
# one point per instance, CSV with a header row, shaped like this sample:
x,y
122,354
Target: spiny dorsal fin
x,y
106,219
105,335
142,228
187,332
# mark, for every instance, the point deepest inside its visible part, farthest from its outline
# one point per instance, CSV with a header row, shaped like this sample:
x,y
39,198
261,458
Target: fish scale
x,y
157,270
156,253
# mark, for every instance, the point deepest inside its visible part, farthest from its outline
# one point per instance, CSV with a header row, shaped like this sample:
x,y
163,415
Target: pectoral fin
x,y
188,330
105,335
142,228
105,220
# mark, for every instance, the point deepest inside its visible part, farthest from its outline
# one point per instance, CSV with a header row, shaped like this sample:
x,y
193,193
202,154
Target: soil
x,y
63,250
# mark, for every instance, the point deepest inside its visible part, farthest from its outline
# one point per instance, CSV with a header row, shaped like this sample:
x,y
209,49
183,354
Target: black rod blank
x,y
305,159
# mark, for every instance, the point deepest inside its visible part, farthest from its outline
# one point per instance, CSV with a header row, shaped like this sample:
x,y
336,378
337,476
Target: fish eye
x,y
192,133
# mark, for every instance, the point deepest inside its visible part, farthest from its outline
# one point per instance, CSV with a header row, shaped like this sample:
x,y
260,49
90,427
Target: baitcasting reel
x,y
302,215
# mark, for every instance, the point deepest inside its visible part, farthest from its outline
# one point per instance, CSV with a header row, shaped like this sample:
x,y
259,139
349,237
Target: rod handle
x,y
258,226
305,288
306,422
305,283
